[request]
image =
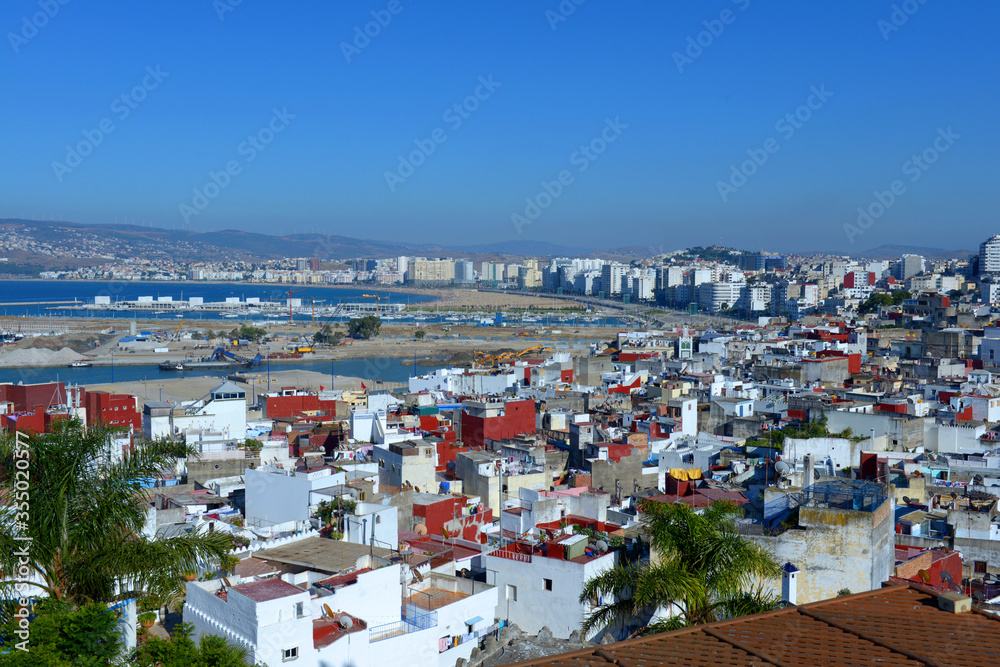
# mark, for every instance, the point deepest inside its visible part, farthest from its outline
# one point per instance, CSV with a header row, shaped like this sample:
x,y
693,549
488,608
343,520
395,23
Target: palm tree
x,y
700,566
85,515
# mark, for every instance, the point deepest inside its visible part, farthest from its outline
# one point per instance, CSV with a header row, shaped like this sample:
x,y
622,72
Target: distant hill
x,y
112,240
890,251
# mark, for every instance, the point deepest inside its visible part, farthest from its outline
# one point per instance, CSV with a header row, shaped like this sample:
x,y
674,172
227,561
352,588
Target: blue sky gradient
x,y
227,66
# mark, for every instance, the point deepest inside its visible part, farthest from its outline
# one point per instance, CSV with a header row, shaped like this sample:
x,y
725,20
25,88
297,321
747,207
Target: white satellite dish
x,y
782,468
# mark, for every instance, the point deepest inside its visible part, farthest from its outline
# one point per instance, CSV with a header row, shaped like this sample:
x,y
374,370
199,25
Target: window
x,y
979,566
548,584
299,610
290,654
512,592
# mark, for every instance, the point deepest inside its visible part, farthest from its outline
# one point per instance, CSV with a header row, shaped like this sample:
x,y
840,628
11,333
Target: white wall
x,y
559,609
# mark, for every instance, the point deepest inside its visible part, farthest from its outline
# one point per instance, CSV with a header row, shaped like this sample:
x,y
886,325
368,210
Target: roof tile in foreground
x,y
896,626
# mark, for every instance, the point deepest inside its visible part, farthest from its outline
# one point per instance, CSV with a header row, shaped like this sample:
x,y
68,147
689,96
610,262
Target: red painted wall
x,y
112,409
29,397
518,419
854,363
291,406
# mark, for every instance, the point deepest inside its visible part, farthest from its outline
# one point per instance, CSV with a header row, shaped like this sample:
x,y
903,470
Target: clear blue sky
x,y
656,184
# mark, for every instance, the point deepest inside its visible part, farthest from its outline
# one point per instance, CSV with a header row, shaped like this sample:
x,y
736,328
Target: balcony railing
x,y
414,623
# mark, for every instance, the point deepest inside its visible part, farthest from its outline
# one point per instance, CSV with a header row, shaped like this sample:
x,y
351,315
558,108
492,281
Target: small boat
x,y
81,363
171,366
231,315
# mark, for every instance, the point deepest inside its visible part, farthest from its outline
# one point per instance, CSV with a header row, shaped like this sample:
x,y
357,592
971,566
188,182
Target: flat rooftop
x,y
432,599
316,553
269,589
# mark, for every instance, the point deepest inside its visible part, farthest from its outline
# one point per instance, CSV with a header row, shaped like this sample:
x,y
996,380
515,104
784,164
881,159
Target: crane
x,y
378,301
177,331
313,302
290,293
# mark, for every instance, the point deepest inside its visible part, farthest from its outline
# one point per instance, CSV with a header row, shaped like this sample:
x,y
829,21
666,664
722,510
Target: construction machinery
x,y
290,293
493,360
175,334
378,302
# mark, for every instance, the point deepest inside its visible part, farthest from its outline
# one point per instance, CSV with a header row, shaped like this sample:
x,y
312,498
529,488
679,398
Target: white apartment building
x,y
222,412
539,586
369,613
612,277
989,256
716,297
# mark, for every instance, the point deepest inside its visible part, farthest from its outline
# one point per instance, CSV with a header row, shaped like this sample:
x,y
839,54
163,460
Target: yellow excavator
x,y
492,360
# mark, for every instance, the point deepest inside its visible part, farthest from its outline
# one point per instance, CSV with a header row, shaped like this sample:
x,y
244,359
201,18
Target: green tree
x,y
84,511
248,332
327,335
365,327
61,636
419,334
699,562
181,651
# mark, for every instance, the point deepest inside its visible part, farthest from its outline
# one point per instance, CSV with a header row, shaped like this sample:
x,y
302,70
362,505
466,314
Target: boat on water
x,y
230,316
81,363
172,366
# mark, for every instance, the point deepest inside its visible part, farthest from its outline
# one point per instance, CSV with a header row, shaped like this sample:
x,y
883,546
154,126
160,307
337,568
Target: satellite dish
x,y
782,468
417,489
417,575
924,575
945,577
329,612
226,582
346,622
420,529
602,546
906,499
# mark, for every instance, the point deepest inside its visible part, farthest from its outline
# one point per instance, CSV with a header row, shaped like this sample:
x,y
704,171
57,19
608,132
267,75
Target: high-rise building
x,y
431,270
989,256
908,266
464,273
493,271
611,278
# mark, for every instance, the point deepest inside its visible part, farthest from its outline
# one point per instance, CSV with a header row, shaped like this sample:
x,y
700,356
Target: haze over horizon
x,y
300,120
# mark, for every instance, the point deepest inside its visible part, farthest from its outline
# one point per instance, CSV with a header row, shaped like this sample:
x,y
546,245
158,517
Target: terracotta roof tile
x,y
896,626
